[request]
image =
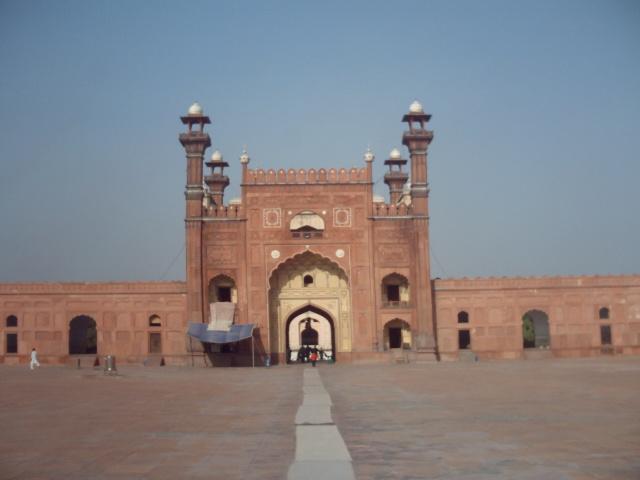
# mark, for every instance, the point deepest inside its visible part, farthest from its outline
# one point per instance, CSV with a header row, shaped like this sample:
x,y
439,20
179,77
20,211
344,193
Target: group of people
x,y
308,354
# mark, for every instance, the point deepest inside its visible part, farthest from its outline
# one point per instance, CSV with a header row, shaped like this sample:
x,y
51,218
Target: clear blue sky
x,y
533,170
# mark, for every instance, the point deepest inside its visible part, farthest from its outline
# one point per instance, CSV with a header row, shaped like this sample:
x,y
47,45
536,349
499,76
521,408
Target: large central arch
x,y
308,285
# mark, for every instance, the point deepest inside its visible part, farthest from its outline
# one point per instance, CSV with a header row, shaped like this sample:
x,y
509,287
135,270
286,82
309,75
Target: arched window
x,y
603,313
12,321
154,321
83,336
308,280
222,289
395,291
463,317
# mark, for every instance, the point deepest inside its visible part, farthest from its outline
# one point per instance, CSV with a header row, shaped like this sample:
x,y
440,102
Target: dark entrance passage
x,y
535,330
83,336
309,335
310,328
464,339
395,337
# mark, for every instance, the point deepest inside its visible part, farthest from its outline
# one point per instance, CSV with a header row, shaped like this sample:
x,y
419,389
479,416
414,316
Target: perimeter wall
x,y
495,307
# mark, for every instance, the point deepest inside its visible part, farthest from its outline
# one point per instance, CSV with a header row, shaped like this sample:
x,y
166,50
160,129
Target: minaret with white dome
x,y
195,141
417,140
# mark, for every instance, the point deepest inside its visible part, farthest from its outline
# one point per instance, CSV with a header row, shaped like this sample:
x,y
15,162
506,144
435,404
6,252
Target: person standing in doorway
x,y
34,358
313,357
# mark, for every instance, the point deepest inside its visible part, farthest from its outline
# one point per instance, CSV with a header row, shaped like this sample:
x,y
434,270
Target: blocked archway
x,y
326,300
83,336
535,330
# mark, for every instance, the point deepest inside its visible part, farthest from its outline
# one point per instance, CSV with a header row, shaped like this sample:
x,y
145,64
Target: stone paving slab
x,y
320,443
310,470
316,399
314,389
314,415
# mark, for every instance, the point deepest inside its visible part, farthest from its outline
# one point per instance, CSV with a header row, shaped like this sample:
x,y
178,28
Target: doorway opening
x,y
310,328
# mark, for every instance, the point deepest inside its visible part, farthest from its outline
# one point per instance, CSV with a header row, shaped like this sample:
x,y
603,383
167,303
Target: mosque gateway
x,y
313,260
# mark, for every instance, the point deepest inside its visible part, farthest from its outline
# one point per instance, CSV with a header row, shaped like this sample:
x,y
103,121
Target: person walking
x,y
313,357
34,358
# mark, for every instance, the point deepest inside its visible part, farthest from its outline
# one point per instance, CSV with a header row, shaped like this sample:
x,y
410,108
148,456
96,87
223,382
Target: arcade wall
x,y
121,311
495,307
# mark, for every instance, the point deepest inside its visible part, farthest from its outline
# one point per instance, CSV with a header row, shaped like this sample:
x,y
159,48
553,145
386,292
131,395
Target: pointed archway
x,y
308,286
310,327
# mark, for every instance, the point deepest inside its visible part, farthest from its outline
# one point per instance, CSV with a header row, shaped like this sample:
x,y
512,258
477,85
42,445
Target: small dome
x,y
244,158
216,156
416,107
195,109
378,199
369,156
235,201
395,154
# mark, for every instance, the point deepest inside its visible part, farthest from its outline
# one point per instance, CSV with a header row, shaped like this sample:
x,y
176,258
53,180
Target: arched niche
x,y
395,291
535,329
83,336
222,288
397,334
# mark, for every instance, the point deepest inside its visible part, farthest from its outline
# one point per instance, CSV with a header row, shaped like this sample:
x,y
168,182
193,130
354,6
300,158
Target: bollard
x,y
78,364
110,365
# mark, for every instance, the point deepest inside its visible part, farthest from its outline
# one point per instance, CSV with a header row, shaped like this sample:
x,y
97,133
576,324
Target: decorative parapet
x,y
64,288
225,211
517,283
308,177
386,210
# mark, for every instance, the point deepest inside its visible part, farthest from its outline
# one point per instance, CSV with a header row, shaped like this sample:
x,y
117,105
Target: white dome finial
x,y
395,154
195,109
244,158
416,107
368,155
216,156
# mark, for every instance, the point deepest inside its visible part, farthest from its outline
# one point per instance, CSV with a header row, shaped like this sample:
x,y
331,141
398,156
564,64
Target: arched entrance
x,y
535,330
397,334
308,290
310,327
83,336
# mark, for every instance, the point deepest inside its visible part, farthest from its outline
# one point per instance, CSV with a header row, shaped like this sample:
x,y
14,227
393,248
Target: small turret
x,y
217,181
395,178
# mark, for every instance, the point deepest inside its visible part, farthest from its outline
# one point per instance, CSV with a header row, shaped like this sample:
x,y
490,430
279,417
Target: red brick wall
x,y
121,312
496,306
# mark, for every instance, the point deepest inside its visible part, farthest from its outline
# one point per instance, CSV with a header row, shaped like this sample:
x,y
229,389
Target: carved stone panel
x,y
341,217
271,217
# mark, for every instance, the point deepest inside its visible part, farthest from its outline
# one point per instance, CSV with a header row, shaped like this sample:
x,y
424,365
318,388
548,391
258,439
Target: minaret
x,y
195,142
395,178
417,140
217,181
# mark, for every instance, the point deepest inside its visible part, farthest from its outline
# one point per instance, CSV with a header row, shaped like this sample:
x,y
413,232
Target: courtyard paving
x,y
545,419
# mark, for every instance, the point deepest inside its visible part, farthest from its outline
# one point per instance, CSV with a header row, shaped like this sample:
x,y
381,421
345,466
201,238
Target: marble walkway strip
x,y
320,450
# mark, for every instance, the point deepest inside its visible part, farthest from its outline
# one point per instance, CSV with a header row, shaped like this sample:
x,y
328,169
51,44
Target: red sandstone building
x,y
313,257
